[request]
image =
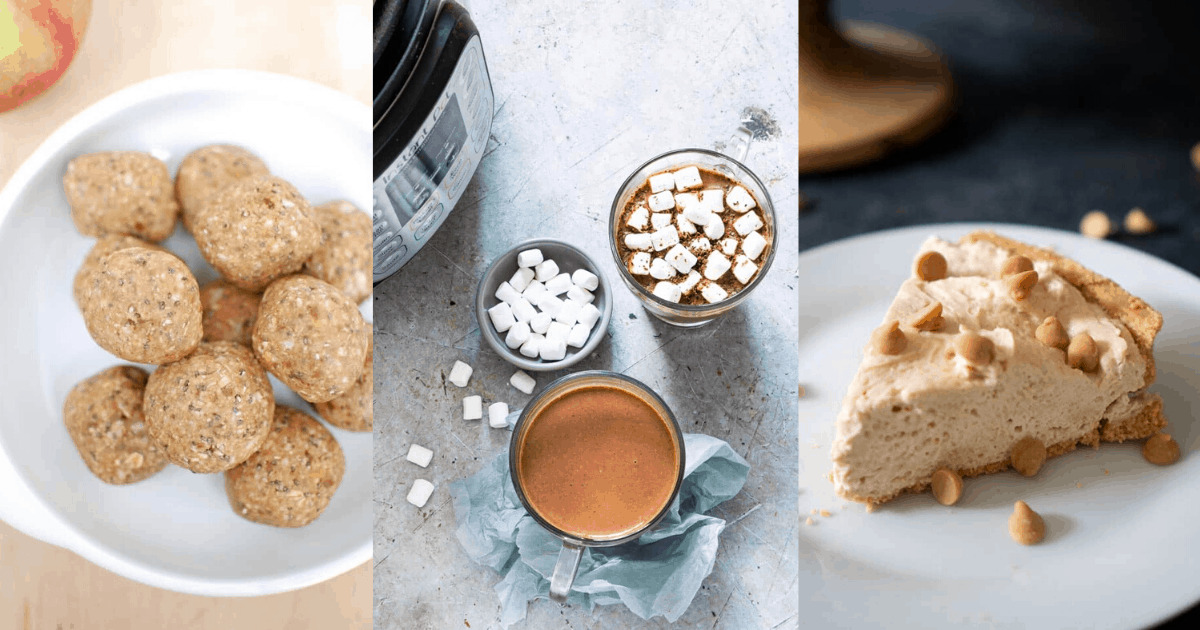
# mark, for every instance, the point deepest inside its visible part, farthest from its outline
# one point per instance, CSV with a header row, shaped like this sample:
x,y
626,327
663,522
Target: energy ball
x,y
229,312
121,192
344,260
104,417
103,247
142,305
311,337
255,231
352,411
290,480
207,171
212,410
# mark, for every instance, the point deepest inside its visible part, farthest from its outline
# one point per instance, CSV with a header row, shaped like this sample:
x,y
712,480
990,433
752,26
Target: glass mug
x,y
573,542
691,315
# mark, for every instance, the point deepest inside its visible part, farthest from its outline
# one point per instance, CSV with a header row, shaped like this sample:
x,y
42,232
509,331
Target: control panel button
x,y
423,229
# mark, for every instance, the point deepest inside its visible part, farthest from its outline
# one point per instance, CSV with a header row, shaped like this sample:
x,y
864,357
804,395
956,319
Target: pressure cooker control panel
x,y
416,192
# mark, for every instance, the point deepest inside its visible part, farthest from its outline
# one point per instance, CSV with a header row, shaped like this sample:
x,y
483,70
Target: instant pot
x,y
432,114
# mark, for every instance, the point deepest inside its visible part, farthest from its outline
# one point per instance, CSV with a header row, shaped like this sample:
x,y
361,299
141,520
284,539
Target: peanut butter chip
x,y
976,349
889,339
1015,265
1026,526
930,318
1138,222
931,266
1052,333
1096,224
1021,284
1082,353
1028,455
947,486
1161,450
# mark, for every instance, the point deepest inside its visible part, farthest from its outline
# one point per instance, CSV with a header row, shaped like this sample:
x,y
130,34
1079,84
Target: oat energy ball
x,y
212,410
103,247
256,231
104,417
229,312
344,260
311,337
121,192
352,411
142,305
210,169
291,479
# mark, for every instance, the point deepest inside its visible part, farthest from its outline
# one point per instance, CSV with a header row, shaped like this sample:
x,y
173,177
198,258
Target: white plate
x,y
1120,550
176,529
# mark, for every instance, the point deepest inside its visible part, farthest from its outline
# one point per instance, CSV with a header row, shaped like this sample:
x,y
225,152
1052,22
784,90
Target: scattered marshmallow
x,y
637,241
699,215
498,415
661,269
713,293
716,266
540,322
529,258
581,295
753,245
522,381
700,245
523,310
585,279
589,315
501,316
419,455
661,182
668,291
519,334
578,336
690,282
639,264
533,347
507,292
549,304
729,246
638,218
715,228
559,284
569,313
744,269
687,178
420,492
460,374
662,201
534,291
713,200
521,279
747,223
660,220
664,238
546,269
740,199
555,350
472,407
558,331
680,258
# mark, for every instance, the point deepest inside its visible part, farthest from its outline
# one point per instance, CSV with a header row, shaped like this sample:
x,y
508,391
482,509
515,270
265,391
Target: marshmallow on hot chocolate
x,y
744,268
661,182
685,226
501,316
716,266
529,258
715,228
661,269
638,241
660,220
664,238
687,178
698,215
747,223
683,201
680,258
668,291
639,264
712,200
660,202
753,245
713,293
729,246
639,218
690,282
700,245
740,199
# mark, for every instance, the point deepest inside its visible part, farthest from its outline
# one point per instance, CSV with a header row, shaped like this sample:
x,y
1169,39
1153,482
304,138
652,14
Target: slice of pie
x,y
991,341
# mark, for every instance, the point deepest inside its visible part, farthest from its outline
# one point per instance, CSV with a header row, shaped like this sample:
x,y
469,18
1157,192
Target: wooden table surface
x,y
328,41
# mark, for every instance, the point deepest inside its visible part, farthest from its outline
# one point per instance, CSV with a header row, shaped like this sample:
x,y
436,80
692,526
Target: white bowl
x,y
175,530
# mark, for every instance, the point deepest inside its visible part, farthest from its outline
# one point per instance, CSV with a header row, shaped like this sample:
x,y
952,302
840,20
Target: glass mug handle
x,y
739,144
564,571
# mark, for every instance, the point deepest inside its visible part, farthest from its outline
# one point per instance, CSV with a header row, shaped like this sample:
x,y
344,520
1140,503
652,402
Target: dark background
x,y
1064,107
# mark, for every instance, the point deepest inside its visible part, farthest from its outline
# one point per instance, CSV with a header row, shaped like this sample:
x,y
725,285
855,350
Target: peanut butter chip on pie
x,y
976,349
931,266
1021,284
1052,333
889,339
1082,353
1026,526
929,319
1015,265
1161,450
947,486
1028,455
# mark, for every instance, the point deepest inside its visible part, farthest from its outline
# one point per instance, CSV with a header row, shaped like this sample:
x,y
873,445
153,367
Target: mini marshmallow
x,y
713,200
529,258
534,291
533,346
578,335
549,304
498,415
546,269
523,310
507,293
715,228
554,350
699,215
744,269
501,316
585,279
472,407
713,293
661,201
540,322
569,313
661,269
518,335
687,177
460,374
581,295
700,245
639,264
638,218
558,331
664,238
521,279
740,199
419,455
589,315
661,182
747,223
683,201
690,282
680,258
638,241
668,291
559,284
753,245
685,226
659,220
420,492
716,266
729,246
522,381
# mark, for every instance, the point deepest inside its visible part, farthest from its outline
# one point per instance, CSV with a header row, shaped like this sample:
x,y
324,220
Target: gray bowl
x,y
568,257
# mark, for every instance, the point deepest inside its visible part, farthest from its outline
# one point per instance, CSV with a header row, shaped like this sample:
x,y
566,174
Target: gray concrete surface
x,y
584,94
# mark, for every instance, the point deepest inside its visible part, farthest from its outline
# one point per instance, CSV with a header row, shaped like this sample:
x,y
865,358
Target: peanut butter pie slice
x,y
992,343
